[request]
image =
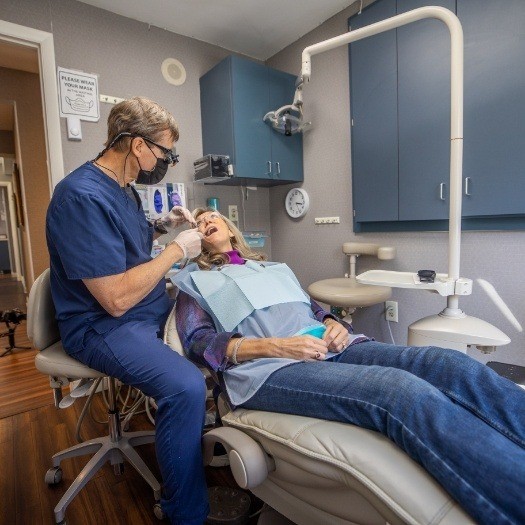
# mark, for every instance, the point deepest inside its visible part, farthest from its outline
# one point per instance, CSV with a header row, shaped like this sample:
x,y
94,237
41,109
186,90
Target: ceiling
x,y
256,28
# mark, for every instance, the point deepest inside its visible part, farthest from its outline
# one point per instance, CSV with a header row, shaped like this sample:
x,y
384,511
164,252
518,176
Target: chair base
x,y
106,449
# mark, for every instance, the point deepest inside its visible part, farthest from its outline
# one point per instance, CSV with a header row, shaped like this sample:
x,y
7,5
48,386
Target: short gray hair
x,y
139,116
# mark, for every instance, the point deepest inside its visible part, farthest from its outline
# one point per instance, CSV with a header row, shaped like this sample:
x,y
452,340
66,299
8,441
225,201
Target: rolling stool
x,y
52,360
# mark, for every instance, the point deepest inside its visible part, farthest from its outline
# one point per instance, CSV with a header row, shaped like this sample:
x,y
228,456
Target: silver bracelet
x,y
233,357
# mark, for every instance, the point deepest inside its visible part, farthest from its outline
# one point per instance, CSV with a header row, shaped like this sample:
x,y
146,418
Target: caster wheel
x,y
53,476
159,513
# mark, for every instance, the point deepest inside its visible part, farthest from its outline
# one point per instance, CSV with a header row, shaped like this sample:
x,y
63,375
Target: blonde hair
x,y
139,116
206,259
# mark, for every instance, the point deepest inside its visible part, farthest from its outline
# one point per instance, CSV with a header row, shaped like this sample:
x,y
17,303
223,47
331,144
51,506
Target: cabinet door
x,y
217,111
287,152
494,147
373,102
423,50
250,94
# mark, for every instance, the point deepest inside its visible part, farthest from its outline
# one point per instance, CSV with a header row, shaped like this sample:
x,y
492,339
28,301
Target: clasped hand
x,y
336,335
309,348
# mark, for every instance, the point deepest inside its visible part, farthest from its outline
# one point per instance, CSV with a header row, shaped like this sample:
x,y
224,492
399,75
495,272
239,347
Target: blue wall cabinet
x,y
373,100
494,144
400,111
235,96
423,64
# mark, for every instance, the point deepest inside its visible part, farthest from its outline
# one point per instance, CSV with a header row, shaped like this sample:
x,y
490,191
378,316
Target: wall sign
x,y
78,93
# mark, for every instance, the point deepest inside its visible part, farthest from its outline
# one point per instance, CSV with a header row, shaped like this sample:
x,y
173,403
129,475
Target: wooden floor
x,y
27,442
11,293
22,387
32,430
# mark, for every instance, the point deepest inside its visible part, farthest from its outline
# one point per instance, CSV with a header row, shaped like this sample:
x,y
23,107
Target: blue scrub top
x,y
95,229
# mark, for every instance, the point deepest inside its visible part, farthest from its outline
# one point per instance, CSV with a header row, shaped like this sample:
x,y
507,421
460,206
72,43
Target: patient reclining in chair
x,y
274,349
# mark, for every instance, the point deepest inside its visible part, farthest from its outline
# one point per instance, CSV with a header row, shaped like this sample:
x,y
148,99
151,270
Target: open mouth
x,y
211,230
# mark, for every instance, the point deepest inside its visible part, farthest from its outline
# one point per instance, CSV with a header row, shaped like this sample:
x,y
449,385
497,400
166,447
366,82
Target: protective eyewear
x,y
213,216
170,157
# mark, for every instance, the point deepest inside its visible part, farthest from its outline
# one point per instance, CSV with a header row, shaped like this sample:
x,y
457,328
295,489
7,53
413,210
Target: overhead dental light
x,y
450,328
288,119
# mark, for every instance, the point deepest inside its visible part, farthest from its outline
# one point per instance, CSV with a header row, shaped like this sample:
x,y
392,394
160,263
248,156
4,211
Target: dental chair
x,y
117,446
316,472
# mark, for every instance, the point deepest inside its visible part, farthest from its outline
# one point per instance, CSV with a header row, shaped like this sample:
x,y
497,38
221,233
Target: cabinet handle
x,y
467,180
278,168
269,164
441,191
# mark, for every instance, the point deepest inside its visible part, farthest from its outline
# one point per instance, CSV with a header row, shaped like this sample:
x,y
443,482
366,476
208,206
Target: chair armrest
x,y
249,463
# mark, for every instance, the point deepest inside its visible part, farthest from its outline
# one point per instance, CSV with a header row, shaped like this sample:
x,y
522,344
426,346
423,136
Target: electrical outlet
x,y
233,214
108,99
391,313
327,220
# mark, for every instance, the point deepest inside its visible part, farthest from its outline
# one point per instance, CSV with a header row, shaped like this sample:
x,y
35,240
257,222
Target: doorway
x,y
27,68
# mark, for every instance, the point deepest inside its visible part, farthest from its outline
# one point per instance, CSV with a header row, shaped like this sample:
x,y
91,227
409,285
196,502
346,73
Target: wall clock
x,y
297,202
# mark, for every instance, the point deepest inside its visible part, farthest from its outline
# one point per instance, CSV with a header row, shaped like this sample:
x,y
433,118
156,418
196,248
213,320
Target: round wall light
x,y
173,71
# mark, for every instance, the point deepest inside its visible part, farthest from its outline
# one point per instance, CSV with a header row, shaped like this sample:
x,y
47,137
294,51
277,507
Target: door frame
x,y
43,42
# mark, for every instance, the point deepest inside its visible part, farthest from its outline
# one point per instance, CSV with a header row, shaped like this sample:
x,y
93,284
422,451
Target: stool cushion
x,y
55,362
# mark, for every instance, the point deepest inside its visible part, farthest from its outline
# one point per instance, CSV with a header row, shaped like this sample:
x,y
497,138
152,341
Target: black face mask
x,y
155,175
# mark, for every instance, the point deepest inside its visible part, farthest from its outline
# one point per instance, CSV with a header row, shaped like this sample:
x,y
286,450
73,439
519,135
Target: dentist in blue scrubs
x,y
110,295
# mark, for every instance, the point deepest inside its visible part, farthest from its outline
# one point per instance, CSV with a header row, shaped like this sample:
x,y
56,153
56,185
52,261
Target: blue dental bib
x,y
231,293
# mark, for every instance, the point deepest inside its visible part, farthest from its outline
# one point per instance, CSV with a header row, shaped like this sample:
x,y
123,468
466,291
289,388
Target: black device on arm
x,y
426,276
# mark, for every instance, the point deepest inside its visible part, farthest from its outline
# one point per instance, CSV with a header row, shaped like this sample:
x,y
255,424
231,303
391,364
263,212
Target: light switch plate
x,y
74,129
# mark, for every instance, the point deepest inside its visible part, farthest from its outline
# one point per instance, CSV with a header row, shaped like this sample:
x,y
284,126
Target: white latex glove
x,y
177,216
190,242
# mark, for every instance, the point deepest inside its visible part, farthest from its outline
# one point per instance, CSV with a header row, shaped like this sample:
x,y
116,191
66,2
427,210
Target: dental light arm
x,y
283,120
451,314
456,106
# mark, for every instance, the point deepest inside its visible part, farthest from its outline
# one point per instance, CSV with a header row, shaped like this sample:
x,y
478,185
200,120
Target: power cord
x,y
389,328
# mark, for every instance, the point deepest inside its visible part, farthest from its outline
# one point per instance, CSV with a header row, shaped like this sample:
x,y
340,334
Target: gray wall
x,y
127,56
314,252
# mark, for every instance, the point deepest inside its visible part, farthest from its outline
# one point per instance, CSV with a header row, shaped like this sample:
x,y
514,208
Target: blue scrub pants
x,y
455,416
135,354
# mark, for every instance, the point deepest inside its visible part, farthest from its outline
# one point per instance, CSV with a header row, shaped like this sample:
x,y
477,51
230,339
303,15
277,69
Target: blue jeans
x,y
453,415
136,355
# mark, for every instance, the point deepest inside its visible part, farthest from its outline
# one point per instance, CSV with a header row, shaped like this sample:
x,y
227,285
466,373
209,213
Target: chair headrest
x,y
42,327
172,339
171,336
